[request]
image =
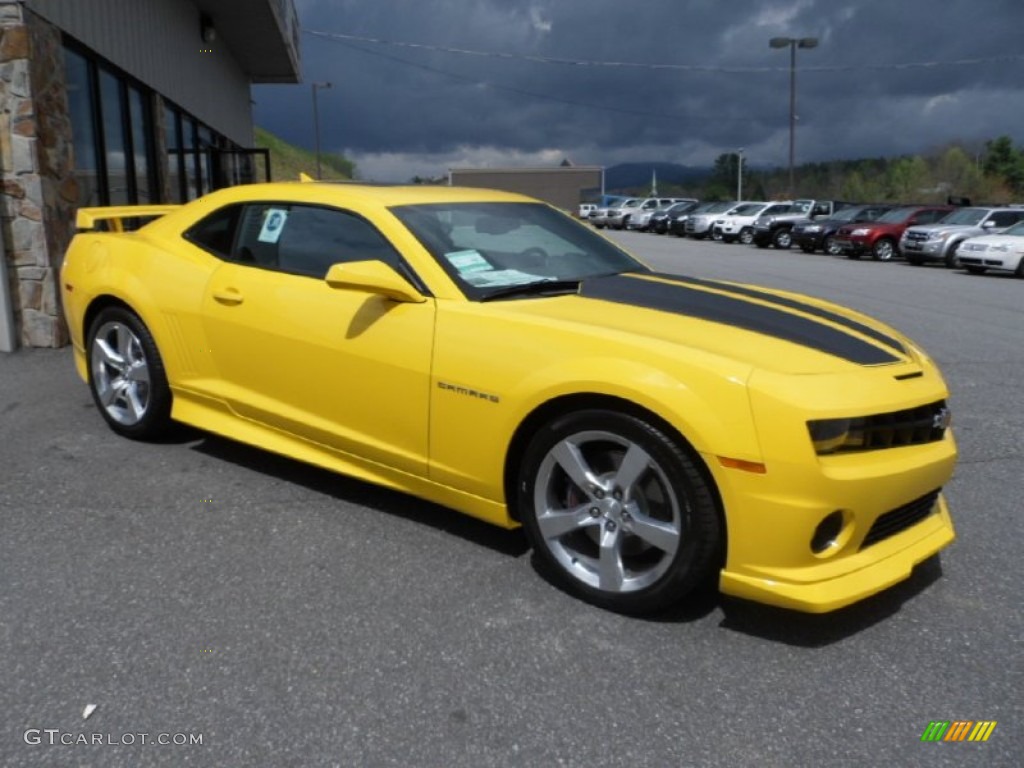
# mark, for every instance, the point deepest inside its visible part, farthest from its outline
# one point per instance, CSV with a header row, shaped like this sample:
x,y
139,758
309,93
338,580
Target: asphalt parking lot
x,y
289,617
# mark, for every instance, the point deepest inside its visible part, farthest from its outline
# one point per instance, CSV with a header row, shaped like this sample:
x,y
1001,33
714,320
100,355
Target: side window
x,y
307,239
929,217
1005,218
216,232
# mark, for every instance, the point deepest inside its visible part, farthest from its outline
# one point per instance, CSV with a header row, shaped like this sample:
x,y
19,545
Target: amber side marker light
x,y
747,466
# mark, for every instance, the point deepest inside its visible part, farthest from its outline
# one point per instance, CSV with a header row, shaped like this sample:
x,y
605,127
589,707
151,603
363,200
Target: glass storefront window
x,y
142,137
114,138
191,163
205,148
172,130
83,128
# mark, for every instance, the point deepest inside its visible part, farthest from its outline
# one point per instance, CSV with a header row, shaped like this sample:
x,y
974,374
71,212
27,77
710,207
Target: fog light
x,y
827,533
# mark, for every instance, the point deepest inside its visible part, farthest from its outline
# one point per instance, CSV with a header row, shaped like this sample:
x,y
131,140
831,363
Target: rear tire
x,y
126,375
619,514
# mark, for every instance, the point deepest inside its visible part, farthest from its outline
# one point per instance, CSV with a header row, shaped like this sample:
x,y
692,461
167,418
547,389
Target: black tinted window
x,y
216,232
307,240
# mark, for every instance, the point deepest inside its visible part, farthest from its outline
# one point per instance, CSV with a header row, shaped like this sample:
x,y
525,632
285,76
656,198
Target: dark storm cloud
x,y
401,111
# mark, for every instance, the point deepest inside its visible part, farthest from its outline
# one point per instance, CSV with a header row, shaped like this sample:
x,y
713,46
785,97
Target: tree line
x,y
994,174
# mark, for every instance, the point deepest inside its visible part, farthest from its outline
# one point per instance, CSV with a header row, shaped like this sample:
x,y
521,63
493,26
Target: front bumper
x,y
884,565
812,240
923,250
853,245
888,499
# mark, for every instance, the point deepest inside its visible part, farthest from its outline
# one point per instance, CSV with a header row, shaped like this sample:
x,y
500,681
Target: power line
x,y
339,37
534,94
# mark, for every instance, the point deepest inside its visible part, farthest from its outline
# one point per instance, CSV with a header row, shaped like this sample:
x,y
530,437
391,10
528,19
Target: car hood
x,y
759,327
990,240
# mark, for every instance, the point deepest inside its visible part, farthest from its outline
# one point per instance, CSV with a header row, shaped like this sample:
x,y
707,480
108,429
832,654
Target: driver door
x,y
342,368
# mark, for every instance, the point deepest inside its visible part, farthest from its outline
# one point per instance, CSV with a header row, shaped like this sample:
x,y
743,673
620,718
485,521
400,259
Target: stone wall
x,y
38,193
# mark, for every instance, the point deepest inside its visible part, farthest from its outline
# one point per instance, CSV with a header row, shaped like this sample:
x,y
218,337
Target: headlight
x,y
913,426
860,232
812,228
999,248
938,235
829,435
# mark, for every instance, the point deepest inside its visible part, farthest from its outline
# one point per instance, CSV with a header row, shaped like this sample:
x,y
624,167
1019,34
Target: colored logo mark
x,y
958,730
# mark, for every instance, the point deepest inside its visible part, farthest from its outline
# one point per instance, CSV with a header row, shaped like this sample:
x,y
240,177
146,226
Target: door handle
x,y
230,296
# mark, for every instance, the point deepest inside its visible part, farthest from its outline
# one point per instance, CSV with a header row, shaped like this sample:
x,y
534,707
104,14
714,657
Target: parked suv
x,y
618,218
777,228
738,224
677,223
880,237
661,219
811,234
939,242
599,216
698,224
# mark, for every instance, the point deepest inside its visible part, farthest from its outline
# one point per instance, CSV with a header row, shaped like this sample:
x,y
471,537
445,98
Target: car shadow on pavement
x,y
350,490
810,630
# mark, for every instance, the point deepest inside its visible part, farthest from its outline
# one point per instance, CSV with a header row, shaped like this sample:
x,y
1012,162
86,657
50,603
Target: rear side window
x,y
299,239
216,233
1006,218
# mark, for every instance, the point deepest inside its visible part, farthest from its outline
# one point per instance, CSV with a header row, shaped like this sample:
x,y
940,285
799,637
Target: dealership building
x,y
120,102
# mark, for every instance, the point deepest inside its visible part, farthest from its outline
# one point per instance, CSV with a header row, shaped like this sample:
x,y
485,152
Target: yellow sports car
x,y
652,433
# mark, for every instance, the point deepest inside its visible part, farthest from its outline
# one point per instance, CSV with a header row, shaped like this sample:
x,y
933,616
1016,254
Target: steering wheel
x,y
534,257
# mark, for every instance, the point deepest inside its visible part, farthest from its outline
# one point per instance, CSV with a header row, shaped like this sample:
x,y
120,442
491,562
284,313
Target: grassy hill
x,y
287,160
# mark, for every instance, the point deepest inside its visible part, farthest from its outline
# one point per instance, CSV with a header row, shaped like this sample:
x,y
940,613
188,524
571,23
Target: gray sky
x,y
888,77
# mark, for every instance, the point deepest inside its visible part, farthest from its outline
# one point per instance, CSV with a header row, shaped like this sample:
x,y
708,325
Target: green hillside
x,y
287,160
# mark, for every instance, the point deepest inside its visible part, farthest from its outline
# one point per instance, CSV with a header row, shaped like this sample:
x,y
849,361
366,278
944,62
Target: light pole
x,y
792,43
739,174
316,124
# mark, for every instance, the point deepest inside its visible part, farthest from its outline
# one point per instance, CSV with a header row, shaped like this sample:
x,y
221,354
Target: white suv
x,y
738,224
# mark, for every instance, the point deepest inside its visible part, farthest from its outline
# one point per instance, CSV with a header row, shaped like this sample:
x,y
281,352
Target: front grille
x,y
901,518
913,426
917,236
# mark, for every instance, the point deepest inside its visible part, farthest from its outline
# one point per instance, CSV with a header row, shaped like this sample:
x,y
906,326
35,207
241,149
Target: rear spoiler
x,y
115,215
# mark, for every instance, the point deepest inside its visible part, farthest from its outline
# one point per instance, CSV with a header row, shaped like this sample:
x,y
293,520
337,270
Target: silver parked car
x,y
939,241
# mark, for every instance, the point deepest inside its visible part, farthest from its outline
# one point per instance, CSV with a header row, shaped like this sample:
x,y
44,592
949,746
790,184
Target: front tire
x,y
126,375
951,260
782,239
976,270
883,250
746,235
618,513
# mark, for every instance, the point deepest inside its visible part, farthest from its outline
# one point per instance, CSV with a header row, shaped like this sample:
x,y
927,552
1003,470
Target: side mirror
x,y
988,224
373,277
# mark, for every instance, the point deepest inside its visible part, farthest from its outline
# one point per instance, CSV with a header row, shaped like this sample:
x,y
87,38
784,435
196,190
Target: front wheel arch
x,y
566,404
653,573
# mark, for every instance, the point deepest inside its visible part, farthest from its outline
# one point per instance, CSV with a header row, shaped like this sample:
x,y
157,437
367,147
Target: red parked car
x,y
880,237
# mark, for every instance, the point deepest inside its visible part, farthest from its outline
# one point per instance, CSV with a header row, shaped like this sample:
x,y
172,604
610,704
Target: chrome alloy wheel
x,y
607,512
120,373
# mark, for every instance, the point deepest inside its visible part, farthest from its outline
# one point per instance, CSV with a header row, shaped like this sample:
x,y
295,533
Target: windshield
x,y
749,209
897,215
489,247
968,216
718,208
853,214
1016,229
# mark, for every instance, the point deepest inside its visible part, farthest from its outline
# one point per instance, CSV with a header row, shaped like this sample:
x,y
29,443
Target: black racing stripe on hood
x,y
782,301
737,312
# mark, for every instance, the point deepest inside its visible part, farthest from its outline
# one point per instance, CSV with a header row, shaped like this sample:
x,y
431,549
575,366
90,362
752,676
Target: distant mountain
x,y
630,175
